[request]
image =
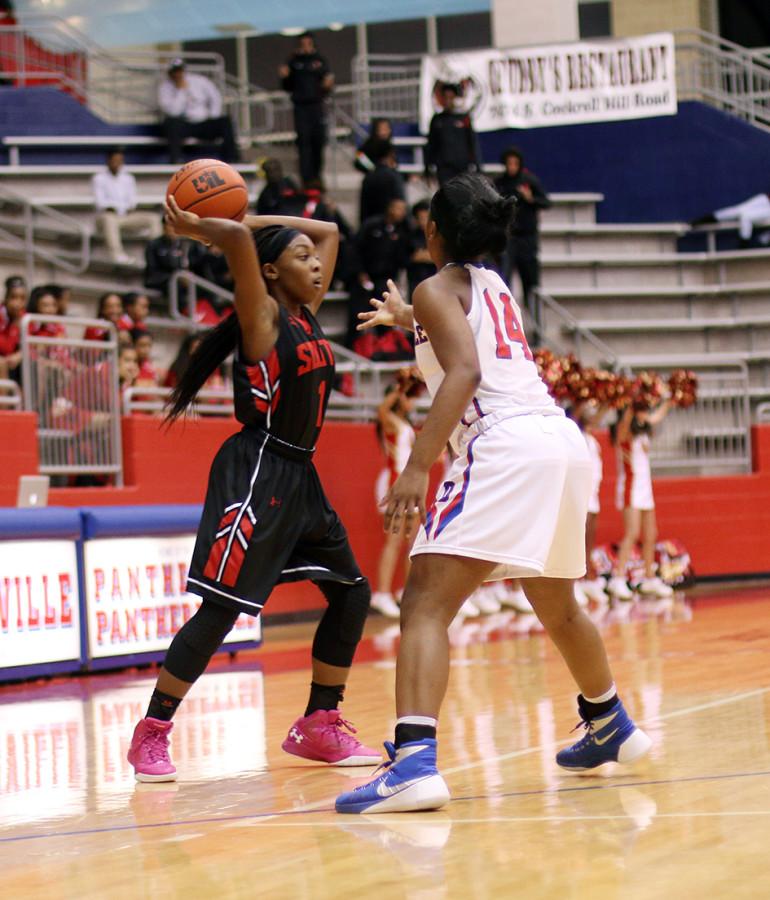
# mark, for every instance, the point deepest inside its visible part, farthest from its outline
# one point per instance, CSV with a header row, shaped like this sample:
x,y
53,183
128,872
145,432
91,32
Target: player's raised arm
x,y
325,236
257,311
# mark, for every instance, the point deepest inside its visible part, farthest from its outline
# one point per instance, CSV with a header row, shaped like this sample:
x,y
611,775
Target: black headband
x,y
272,241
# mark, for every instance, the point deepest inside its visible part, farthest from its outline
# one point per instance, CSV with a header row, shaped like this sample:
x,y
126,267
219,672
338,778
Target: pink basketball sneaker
x,y
148,753
322,738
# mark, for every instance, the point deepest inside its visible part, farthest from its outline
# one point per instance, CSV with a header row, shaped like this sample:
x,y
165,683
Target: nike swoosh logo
x,y
603,741
386,790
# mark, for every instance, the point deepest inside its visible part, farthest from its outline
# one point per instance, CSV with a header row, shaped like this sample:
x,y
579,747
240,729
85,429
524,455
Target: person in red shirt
x,y
14,307
43,302
137,308
148,374
111,310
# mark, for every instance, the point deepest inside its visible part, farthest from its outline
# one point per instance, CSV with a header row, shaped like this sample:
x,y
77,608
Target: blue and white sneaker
x,y
612,737
410,782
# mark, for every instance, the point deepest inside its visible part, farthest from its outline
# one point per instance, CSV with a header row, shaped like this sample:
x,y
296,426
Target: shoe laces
x,y
335,727
588,726
156,746
383,767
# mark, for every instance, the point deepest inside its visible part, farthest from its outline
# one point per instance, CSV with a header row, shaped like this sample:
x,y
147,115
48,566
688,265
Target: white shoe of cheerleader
x,y
619,589
580,595
385,604
485,601
594,590
655,587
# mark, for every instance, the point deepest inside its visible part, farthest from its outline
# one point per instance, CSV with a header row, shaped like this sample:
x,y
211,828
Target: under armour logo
x,y
296,736
275,501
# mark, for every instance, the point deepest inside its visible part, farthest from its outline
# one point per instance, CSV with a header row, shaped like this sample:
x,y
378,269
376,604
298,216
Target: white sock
x,y
417,720
603,698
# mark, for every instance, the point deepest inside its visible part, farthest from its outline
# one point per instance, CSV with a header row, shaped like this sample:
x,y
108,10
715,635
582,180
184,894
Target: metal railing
x,y
713,435
72,385
23,223
725,75
10,394
549,313
210,402
183,284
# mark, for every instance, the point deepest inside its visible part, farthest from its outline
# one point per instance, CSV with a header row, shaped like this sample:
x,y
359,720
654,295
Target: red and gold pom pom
x,y
683,386
646,390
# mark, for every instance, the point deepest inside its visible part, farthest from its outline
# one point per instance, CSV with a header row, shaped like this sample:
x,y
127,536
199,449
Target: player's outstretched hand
x,y
183,224
405,502
386,311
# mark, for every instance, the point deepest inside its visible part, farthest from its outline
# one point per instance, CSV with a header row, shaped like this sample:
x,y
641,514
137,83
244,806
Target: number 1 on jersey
x,y
513,330
321,397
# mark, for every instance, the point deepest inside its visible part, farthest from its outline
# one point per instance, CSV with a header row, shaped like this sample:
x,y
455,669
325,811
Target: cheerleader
x,y
632,437
396,438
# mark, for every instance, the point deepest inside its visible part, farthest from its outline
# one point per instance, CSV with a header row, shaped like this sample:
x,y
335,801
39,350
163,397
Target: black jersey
x,y
287,392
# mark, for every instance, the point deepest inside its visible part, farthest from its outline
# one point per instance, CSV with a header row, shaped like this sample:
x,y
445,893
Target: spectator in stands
x,y
280,196
307,77
163,256
148,374
523,250
210,263
745,214
381,130
62,294
383,184
43,302
420,266
110,309
192,107
128,367
115,197
14,308
452,147
382,252
137,308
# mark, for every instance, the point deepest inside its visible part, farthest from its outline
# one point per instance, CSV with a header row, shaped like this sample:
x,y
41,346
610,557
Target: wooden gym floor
x,y
246,820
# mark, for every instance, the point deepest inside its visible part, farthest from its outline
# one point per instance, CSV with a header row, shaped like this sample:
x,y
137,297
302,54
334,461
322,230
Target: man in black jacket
x,y
383,184
280,195
452,148
306,76
524,242
382,250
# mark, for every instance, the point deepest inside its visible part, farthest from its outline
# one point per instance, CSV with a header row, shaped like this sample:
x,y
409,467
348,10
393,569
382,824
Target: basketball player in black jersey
x,y
266,519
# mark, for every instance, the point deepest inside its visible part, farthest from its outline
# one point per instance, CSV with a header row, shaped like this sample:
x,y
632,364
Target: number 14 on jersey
x,y
504,317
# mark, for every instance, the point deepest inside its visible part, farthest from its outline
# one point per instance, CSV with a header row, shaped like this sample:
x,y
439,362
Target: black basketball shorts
x,y
266,521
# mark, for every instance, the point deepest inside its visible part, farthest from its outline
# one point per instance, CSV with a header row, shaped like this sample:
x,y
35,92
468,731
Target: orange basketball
x,y
211,189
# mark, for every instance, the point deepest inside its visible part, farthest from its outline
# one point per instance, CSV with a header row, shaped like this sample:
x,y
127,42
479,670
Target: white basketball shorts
x,y
516,495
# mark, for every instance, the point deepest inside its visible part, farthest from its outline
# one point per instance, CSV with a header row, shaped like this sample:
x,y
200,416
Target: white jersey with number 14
x,y
510,383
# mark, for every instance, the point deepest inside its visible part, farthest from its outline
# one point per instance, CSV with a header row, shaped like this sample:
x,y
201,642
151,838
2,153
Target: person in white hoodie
x,y
115,199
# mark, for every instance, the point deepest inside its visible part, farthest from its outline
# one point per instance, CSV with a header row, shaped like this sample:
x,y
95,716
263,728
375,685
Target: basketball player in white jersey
x,y
513,505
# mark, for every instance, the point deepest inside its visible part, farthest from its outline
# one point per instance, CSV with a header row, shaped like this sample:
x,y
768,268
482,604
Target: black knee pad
x,y
342,625
198,640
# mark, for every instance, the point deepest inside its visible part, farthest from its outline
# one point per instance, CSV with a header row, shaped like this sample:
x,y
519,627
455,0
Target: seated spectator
x,y
420,265
42,302
210,263
128,368
280,196
15,289
14,308
383,184
381,130
163,256
137,308
148,374
382,252
745,214
110,309
62,295
192,107
115,198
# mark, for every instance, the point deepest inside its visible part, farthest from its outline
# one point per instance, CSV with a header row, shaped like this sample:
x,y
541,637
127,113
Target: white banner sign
x,y
557,84
135,596
39,612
